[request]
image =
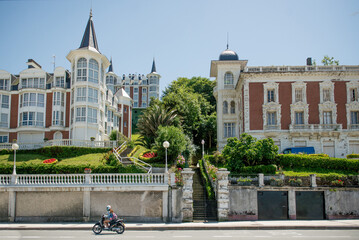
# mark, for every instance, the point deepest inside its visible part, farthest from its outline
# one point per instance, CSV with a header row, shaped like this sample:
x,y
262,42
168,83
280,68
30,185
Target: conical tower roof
x,y
153,66
89,39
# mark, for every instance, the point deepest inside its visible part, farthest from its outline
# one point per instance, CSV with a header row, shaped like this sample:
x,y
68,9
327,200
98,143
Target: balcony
x,y
354,127
322,130
271,127
301,69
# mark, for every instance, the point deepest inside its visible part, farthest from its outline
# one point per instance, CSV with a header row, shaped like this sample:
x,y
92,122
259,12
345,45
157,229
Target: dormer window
x,y
4,84
228,78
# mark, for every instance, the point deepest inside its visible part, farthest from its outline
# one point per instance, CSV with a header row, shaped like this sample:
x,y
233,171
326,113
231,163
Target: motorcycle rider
x,y
110,216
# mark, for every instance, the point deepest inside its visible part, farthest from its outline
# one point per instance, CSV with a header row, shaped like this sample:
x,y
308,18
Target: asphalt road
x,y
198,235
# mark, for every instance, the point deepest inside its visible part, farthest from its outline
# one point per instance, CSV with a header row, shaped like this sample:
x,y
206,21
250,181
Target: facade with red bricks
x,y
296,106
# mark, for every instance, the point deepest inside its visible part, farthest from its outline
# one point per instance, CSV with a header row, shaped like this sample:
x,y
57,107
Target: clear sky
x,y
182,35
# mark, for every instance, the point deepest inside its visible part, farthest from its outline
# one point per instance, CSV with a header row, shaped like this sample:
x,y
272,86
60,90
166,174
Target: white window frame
x,y
81,93
80,114
93,75
81,70
228,78
229,130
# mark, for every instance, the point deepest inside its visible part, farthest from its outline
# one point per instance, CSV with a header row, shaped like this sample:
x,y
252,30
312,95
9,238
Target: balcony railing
x,y
315,127
354,127
271,127
302,68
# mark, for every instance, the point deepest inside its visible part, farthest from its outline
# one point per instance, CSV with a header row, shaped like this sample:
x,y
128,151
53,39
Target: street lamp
x,y
14,147
166,145
202,148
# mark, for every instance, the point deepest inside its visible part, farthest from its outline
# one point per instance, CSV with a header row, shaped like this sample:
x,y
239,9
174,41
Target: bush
x,y
265,169
353,155
209,189
216,159
299,161
247,151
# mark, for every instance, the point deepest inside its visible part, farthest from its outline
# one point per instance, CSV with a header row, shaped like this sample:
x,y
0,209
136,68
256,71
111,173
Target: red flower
x,y
49,161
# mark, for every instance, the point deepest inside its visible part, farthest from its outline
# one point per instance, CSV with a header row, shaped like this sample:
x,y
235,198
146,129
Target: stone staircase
x,y
203,208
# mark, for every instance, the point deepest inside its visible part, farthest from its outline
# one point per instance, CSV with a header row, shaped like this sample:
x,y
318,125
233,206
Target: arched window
x,y
93,71
82,69
233,107
225,107
228,78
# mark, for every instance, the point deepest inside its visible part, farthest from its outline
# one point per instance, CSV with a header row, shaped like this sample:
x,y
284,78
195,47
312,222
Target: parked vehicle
x,y
296,150
115,226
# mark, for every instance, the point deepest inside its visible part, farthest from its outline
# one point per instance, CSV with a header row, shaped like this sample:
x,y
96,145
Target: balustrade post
x,y
261,180
87,179
13,179
313,180
222,194
187,197
173,179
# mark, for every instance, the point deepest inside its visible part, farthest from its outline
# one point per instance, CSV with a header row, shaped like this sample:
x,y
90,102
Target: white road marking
x,y
222,236
182,236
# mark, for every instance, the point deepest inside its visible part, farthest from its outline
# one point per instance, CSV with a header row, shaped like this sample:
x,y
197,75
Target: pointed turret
x,y
153,66
110,69
89,39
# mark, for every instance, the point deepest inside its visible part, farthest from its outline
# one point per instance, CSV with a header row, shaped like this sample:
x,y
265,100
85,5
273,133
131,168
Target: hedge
x,y
354,155
291,161
59,152
265,169
67,169
208,185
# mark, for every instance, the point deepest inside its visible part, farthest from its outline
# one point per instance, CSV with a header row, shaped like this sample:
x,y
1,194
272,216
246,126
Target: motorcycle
x,y
115,226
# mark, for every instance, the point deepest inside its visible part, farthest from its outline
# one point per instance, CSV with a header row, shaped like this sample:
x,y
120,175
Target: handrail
x,y
140,163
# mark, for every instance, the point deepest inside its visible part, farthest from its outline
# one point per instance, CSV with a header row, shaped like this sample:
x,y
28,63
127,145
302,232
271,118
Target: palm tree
x,y
153,117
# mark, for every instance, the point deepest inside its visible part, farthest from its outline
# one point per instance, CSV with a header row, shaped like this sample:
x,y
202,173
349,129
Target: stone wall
x,y
342,204
49,204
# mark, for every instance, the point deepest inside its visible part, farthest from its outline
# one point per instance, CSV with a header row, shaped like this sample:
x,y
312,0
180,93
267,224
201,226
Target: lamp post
x,y
14,147
166,145
202,148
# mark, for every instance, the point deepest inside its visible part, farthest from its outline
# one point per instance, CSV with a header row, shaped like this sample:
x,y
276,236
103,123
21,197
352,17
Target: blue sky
x,y
183,36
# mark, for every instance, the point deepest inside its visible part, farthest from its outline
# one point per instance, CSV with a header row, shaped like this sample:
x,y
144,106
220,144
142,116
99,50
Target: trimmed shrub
x,y
265,169
354,155
302,161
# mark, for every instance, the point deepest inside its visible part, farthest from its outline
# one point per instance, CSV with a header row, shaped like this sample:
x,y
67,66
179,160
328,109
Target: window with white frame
x,y
354,95
135,90
327,117
144,90
5,101
60,82
4,139
144,97
32,99
93,95
153,80
271,118
144,104
233,107
270,95
135,97
298,95
58,118
92,115
72,115
228,78
153,88
4,120
81,94
58,99
229,130
93,71
109,80
4,84
225,107
354,117
135,104
299,118
82,70
32,119
33,83
80,114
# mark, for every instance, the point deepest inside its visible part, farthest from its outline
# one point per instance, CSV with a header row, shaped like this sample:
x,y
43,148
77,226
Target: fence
x,y
62,142
83,179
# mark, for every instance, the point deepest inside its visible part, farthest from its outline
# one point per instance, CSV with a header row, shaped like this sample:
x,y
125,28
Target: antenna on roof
x,y
227,39
54,62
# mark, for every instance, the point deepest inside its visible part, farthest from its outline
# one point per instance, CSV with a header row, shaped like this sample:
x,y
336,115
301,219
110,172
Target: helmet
x,y
108,207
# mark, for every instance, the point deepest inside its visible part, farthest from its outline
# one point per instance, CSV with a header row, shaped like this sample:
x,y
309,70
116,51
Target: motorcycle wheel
x,y
121,228
97,229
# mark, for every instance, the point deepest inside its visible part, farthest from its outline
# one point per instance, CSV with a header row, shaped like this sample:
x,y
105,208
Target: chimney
x,y
309,61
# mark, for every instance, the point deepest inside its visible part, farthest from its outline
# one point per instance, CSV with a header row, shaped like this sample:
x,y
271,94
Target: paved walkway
x,y
255,225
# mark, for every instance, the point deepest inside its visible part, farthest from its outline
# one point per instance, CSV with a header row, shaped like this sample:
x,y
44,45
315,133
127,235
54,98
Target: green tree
x,y
176,138
154,116
328,61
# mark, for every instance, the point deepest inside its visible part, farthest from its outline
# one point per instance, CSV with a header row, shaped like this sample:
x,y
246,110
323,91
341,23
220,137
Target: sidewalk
x,y
242,225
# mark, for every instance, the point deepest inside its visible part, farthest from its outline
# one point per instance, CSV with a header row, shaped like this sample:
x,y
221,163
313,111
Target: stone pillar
x,y
292,210
313,180
12,206
187,198
87,204
172,179
261,180
222,194
87,179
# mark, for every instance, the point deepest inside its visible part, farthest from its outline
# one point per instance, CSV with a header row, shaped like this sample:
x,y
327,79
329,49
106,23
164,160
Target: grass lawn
x,y
92,159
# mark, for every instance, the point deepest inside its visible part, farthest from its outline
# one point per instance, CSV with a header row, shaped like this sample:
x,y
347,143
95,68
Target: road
x,y
175,235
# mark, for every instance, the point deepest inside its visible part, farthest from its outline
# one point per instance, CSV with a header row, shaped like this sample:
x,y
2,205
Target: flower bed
x,y
149,156
50,161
